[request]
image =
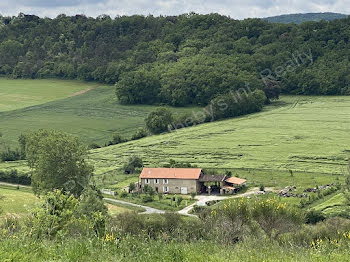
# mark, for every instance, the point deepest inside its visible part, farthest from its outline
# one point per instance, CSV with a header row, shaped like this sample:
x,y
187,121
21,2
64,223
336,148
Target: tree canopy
x,y
158,120
58,162
179,60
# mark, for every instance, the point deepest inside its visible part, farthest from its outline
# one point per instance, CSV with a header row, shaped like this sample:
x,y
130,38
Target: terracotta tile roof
x,y
171,173
229,187
235,180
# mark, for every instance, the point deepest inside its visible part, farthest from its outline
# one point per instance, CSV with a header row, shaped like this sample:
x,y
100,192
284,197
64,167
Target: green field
x,y
19,93
309,135
334,205
93,116
18,202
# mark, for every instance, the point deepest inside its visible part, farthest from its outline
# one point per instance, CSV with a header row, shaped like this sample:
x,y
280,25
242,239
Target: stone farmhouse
x,y
188,180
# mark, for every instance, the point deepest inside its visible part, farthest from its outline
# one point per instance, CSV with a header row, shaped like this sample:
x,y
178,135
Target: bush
x,y
159,120
236,104
193,195
179,200
132,187
11,224
132,163
327,229
10,155
94,146
123,194
117,139
262,188
236,219
140,133
160,196
313,217
166,227
147,198
63,215
14,177
275,217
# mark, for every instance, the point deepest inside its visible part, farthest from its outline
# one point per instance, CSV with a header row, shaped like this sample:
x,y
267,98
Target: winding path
x,y
149,210
202,200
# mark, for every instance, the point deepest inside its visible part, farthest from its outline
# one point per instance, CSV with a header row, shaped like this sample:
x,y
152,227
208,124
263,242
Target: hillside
x,y
305,134
17,94
301,18
179,60
93,115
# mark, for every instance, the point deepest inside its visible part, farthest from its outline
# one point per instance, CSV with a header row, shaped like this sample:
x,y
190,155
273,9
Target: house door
x,y
184,190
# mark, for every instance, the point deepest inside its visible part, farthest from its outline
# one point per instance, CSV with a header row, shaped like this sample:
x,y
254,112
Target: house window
x,y
147,181
165,181
156,181
165,189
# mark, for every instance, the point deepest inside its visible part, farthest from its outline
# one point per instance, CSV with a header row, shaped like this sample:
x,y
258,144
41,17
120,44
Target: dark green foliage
x,y
132,187
138,87
181,60
94,146
58,162
13,176
272,90
140,133
91,200
66,215
313,217
301,18
159,120
179,200
117,139
236,104
149,190
10,155
124,194
193,195
132,164
147,199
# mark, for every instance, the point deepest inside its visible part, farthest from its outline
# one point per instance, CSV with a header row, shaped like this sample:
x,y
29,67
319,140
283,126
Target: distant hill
x,y
300,18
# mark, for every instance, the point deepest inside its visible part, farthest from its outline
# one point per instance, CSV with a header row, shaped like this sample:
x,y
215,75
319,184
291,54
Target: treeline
x,y
14,177
301,18
179,60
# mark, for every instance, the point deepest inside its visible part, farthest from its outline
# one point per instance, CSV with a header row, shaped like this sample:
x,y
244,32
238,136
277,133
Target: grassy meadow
x,y
93,114
133,249
308,135
19,93
334,205
18,202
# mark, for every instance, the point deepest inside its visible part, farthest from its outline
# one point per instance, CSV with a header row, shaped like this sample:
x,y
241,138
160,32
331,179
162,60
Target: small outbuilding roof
x,y
229,188
171,173
235,180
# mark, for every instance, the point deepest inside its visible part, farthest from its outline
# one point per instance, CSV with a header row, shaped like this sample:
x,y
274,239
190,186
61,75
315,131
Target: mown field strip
x,y
306,134
88,110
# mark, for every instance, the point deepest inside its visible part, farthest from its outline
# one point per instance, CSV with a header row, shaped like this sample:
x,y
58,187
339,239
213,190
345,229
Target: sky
x,y
233,8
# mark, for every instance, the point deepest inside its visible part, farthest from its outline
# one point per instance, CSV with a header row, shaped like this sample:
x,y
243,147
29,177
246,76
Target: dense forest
x,y
179,60
301,18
